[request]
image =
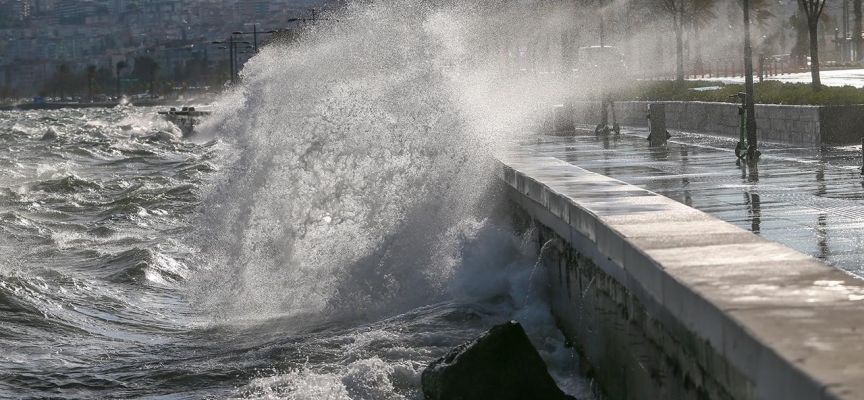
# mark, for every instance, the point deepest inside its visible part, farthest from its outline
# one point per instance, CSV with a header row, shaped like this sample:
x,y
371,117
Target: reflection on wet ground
x,y
809,200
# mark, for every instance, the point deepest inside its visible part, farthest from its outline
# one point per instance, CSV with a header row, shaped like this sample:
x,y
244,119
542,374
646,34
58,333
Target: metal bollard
x,y
761,68
657,124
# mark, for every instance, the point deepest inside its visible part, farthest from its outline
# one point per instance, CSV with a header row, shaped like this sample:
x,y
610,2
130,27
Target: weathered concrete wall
x,y
842,125
664,301
806,126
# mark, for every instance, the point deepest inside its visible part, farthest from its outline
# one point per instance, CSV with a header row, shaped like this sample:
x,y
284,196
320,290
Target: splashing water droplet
x,y
384,122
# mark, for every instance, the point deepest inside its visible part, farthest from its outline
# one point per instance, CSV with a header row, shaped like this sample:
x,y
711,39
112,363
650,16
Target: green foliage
x,y
8,92
145,67
62,82
768,92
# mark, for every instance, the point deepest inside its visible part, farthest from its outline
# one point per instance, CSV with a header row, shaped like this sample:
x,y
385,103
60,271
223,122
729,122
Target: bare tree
x,y
813,10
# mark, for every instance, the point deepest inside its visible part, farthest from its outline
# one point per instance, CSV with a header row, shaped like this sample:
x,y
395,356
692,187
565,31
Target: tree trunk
x,y
814,53
679,45
697,37
856,30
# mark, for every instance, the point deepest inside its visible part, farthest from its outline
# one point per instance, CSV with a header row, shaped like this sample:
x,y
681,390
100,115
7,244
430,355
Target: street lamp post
x,y
748,86
232,51
230,47
254,34
313,19
247,54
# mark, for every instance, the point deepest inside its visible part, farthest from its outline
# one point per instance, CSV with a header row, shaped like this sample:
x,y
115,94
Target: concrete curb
x,y
719,311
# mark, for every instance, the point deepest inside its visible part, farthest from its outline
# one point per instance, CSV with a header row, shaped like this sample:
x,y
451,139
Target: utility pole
x,y
254,34
231,54
230,48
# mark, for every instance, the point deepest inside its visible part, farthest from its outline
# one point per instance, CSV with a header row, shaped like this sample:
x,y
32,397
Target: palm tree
x,y
813,10
701,12
676,8
154,69
62,76
697,13
91,74
121,65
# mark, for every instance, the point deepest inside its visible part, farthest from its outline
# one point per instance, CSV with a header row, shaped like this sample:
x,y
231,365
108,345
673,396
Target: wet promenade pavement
x,y
808,200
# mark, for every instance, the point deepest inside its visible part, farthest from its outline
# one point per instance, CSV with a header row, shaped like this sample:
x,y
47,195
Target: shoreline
x,y
107,104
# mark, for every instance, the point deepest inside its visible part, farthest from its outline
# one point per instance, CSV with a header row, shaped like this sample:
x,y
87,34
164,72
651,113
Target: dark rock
x,y
501,364
49,135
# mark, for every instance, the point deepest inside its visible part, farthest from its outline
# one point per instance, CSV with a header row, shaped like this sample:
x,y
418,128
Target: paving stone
x,y
810,201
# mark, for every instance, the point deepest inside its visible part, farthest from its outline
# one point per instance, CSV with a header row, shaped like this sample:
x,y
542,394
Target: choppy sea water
x,y
99,262
330,229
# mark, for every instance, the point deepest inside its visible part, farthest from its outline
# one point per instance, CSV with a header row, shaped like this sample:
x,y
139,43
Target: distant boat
x,y
186,118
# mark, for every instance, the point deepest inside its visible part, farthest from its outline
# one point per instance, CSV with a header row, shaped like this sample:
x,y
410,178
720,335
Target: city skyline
x,y
40,37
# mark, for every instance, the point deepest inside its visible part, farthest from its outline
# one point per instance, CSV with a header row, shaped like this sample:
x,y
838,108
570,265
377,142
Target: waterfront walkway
x,y
811,201
833,77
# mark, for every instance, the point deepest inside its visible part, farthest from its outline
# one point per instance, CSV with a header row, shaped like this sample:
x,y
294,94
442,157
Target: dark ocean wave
x,y
21,227
10,303
35,307
133,268
64,386
134,155
68,184
12,135
102,232
144,266
82,152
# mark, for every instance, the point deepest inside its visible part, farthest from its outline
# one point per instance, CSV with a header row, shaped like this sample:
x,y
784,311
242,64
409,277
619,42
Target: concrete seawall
x,y
806,126
664,301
